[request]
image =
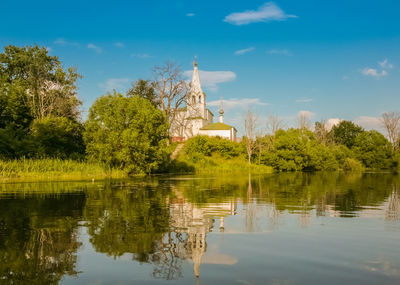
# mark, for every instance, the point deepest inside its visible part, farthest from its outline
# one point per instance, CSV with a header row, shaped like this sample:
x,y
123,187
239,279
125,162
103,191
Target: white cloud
x,y
119,44
332,122
233,103
304,100
141,55
115,83
243,51
211,79
63,42
190,15
373,72
280,52
385,64
97,49
60,41
369,123
305,113
267,12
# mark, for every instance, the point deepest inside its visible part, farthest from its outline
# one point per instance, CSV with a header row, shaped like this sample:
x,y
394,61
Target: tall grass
x,y
39,169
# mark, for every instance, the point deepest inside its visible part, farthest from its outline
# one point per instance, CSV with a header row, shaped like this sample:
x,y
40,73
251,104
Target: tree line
x,y
40,114
40,117
344,146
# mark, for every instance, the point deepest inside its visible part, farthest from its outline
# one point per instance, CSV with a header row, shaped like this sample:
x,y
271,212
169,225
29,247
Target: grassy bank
x,y
215,164
43,169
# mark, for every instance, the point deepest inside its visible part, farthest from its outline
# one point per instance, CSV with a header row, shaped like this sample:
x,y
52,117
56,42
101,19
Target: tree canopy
x,y
126,132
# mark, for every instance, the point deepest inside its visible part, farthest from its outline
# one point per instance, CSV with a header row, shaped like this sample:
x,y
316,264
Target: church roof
x,y
217,126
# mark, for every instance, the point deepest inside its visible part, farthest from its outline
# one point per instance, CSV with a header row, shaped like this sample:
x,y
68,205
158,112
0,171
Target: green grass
x,y
43,169
202,164
216,126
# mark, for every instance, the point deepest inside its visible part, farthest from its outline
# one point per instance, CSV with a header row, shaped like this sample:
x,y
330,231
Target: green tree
x,y
373,150
298,149
48,89
127,132
144,89
345,133
58,137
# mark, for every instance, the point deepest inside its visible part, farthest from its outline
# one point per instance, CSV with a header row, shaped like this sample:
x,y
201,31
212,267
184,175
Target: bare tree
x,y
321,132
250,126
274,123
171,89
391,122
303,120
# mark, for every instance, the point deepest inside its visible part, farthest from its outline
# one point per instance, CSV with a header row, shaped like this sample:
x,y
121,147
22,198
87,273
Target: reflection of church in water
x,y
196,222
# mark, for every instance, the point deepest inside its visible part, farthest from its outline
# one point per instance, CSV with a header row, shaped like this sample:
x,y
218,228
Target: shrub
x,y
351,164
212,145
58,137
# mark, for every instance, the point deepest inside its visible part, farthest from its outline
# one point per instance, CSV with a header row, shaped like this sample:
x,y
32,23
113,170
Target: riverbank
x,y
50,169
215,164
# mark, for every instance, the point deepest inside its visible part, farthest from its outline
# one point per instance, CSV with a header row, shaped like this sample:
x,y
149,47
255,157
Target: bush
x,y
297,149
373,150
58,137
212,145
351,164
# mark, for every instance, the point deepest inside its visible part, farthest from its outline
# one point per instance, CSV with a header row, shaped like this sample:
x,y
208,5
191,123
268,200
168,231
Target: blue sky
x,y
333,59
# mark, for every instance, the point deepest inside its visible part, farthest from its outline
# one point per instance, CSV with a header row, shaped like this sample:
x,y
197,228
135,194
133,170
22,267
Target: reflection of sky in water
x,y
285,229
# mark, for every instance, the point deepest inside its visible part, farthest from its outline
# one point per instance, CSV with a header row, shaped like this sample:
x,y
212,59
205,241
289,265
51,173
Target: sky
x,y
332,59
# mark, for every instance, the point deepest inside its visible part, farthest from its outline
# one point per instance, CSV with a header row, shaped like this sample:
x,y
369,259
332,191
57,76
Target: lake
x,y
289,228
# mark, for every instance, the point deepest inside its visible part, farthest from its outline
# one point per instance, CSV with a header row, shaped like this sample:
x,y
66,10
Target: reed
x,y
40,169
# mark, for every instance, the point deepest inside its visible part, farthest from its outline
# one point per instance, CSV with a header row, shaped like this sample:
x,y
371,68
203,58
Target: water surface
x,y
295,228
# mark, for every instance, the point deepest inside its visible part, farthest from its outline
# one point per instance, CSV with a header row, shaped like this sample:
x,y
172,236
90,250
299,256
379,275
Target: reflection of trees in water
x,y
165,223
393,209
39,238
170,255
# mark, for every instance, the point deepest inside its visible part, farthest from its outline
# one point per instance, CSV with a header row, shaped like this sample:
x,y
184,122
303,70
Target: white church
x,y
195,119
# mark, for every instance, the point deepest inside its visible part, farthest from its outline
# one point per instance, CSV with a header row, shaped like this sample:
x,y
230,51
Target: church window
x,y
199,98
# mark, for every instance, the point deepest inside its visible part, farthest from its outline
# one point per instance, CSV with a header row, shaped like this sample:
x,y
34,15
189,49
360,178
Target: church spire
x,y
195,85
221,111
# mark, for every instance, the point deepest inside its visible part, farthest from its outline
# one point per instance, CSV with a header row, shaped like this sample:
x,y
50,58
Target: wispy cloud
x,y
211,79
242,103
267,12
280,52
385,64
373,72
369,123
119,44
190,15
141,55
63,42
97,49
305,113
304,100
243,51
115,84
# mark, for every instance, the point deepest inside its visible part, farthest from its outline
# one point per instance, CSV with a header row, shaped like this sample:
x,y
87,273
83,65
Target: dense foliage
x,y
304,150
34,91
126,132
40,119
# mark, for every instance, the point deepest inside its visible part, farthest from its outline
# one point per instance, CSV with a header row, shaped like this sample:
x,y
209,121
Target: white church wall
x,y
217,133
